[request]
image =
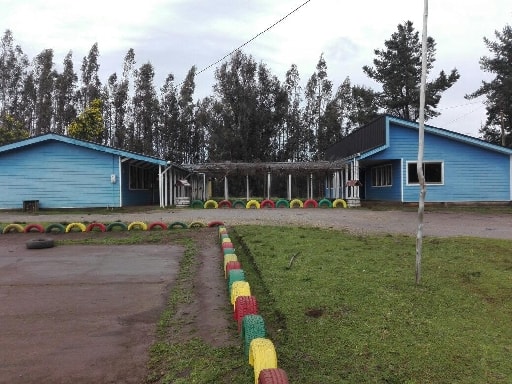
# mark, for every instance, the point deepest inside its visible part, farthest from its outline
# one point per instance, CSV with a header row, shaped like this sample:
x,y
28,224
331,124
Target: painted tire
x,y
196,224
40,243
273,376
325,203
296,202
177,224
228,251
117,224
282,203
227,244
215,224
262,355
244,305
72,226
225,204
211,204
157,224
238,204
13,228
310,203
55,226
100,226
30,227
228,258
197,204
338,202
231,265
267,203
137,224
239,288
234,275
252,203
253,327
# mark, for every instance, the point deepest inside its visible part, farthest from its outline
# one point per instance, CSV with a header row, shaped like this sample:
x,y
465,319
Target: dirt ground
x,y
88,313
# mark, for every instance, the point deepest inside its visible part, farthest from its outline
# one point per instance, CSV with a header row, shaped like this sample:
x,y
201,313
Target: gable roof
x,y
81,143
374,137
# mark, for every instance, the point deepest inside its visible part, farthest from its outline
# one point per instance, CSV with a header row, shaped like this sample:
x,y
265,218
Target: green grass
x,y
348,310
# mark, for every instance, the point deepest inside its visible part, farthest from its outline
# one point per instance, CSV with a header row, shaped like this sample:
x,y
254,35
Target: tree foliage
x,y
398,69
89,124
498,91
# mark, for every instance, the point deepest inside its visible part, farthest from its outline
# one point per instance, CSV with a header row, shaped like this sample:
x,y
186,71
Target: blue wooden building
x,y
378,162
62,172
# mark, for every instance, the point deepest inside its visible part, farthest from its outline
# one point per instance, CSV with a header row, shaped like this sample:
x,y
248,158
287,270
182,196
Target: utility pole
x,y
421,145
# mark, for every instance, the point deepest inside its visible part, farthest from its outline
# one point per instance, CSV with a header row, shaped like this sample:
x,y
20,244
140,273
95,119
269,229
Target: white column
x,y
311,186
268,185
226,194
289,187
247,187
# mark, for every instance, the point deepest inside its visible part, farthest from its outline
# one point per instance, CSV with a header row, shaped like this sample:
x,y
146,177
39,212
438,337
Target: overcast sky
x,y
175,34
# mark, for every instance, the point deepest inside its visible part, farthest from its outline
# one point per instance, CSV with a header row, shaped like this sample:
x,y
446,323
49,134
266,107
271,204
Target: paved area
x,y
82,313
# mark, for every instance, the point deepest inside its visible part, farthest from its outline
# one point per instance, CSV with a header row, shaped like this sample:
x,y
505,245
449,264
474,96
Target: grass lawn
x,y
347,310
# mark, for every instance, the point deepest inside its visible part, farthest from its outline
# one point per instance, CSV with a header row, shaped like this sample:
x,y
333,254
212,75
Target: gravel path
x,y
359,220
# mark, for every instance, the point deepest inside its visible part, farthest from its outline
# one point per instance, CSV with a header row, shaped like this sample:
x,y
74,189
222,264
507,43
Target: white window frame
x,y
382,176
427,182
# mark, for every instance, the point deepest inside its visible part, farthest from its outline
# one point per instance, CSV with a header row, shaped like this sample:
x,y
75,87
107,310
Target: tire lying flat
x,y
40,243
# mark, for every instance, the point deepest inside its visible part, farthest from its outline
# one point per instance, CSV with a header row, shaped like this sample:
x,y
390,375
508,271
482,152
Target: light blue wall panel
x,y
391,193
471,173
58,175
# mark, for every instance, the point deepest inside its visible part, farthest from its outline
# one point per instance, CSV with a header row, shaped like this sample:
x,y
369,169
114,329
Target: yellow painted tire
x,y
138,224
262,355
80,226
239,288
211,204
338,202
228,258
252,203
295,202
197,224
13,228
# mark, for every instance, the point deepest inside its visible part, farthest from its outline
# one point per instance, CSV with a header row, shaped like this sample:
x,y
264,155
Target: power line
x,y
254,38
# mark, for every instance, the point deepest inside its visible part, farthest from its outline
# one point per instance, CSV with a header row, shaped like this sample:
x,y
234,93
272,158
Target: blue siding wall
x,y
471,173
59,175
391,193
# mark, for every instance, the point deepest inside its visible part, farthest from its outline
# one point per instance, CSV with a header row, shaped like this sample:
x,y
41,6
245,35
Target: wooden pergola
x,y
337,175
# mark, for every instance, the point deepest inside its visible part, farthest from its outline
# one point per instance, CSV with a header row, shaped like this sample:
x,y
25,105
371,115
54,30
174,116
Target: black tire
x,y
40,243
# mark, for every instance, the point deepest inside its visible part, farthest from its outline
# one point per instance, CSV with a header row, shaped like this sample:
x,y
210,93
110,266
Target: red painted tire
x,y
227,245
267,204
310,203
91,226
225,204
162,226
30,227
215,223
244,305
232,265
273,376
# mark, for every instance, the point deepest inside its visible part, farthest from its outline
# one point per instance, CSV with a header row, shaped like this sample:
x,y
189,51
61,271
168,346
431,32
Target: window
x,y
139,178
432,170
382,176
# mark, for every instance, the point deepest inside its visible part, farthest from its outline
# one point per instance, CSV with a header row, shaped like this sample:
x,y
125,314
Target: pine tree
x,y
398,69
498,91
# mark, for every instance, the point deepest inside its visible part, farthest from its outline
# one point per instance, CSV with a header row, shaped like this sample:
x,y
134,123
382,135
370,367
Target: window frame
x,y
382,176
426,172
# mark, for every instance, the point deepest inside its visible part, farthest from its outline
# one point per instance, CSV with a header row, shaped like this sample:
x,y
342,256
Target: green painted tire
x,y
197,204
117,224
253,327
55,226
325,203
177,224
282,203
234,275
238,204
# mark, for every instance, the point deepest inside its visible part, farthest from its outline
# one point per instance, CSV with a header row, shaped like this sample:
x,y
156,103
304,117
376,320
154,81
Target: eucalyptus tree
x,y
64,98
498,91
318,94
186,135
13,67
145,111
398,69
45,77
90,82
167,137
292,138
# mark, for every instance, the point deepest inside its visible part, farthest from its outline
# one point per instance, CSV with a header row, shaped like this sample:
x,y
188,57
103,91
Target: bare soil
x,y
88,313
